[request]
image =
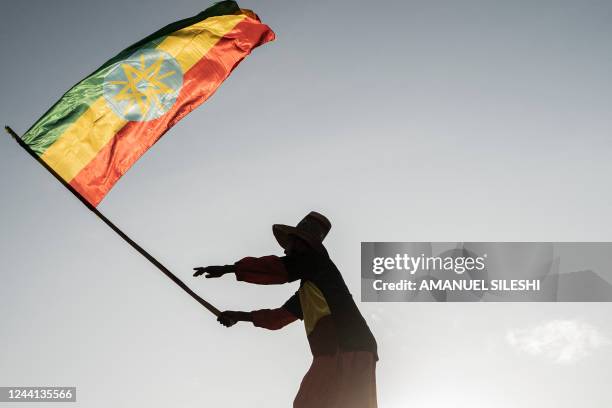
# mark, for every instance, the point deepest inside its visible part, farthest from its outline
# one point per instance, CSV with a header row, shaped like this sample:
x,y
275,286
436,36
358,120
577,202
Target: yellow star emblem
x,y
143,86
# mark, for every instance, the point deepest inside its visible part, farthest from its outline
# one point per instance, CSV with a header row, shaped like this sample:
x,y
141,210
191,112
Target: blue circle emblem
x,y
143,86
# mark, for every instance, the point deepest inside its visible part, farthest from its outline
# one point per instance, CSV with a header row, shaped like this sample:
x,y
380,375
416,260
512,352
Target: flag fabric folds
x,y
103,124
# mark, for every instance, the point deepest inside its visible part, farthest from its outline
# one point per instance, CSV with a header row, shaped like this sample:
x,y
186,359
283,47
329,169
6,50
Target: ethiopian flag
x,y
101,126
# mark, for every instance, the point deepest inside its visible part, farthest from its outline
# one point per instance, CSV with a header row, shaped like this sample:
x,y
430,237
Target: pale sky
x,y
399,120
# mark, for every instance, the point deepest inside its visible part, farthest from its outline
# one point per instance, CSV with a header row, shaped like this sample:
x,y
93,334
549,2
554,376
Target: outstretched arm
x,y
266,270
271,319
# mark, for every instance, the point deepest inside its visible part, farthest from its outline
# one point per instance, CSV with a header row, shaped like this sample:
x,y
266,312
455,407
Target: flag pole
x,y
112,226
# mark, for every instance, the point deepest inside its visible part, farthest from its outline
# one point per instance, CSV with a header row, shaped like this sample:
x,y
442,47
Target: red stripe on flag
x,y
95,180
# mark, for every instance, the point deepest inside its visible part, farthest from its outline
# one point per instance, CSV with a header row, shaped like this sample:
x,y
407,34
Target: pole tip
x,y
10,131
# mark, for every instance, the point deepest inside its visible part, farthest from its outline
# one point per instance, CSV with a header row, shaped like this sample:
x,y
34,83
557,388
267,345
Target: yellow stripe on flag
x,y
190,44
81,142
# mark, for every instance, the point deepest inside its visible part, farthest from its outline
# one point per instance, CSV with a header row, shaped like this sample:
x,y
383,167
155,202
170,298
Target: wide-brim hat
x,y
313,229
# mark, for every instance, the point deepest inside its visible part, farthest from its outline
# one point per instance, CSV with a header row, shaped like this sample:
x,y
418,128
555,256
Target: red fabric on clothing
x,y
272,319
343,380
267,270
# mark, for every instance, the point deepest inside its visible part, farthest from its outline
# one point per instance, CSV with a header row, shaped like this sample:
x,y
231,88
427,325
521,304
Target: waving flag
x,y
101,126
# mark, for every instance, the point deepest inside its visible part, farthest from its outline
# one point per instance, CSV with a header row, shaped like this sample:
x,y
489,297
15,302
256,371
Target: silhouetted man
x,y
342,374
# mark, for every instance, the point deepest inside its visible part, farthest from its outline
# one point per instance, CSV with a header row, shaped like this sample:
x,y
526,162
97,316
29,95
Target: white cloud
x,y
562,341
